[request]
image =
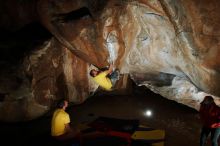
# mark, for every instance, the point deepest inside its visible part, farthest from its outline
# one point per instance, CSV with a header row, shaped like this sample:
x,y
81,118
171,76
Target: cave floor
x,y
181,123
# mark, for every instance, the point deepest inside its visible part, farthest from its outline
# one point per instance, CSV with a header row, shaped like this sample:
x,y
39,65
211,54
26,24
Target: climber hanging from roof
x,y
107,78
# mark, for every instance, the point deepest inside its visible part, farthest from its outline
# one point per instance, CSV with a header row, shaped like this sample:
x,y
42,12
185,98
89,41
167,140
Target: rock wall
x,y
171,47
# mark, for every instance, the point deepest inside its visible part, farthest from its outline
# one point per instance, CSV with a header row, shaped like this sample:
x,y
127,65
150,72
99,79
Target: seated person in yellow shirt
x,y
106,79
61,130
60,124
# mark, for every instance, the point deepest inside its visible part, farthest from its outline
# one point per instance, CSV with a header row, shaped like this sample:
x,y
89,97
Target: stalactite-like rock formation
x,y
170,46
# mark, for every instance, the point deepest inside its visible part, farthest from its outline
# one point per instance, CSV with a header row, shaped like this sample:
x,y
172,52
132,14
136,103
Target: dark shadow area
x,y
14,45
2,97
74,15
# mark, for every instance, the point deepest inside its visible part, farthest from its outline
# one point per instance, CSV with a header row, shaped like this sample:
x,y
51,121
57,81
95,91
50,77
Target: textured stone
x,y
171,47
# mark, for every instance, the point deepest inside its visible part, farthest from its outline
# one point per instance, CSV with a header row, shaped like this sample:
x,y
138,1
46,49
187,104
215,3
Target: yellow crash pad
x,y
149,135
154,136
158,144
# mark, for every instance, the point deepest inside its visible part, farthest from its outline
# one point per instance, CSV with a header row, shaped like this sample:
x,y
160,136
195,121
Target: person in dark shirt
x,y
210,117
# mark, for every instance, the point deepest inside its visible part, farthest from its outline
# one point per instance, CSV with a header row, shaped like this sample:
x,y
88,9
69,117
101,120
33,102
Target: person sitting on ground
x,y
64,132
210,116
60,124
106,79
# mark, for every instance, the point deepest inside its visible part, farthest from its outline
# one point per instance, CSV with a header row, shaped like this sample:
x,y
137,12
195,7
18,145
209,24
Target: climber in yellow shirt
x,y
106,79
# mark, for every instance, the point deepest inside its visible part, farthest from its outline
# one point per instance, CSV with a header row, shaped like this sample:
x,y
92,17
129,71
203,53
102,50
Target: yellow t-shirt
x,y
103,81
60,118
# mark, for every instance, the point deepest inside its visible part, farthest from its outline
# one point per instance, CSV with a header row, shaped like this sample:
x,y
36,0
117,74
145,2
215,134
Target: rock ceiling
x,y
170,46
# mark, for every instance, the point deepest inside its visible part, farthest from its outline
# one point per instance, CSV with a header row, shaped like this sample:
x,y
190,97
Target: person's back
x,y
209,113
103,80
210,117
60,118
60,123
106,79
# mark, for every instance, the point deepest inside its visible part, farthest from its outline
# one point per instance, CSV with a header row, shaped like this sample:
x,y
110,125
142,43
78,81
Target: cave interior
x,y
167,54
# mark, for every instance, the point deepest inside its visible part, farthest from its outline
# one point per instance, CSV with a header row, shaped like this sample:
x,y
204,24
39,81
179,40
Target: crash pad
x,y
130,130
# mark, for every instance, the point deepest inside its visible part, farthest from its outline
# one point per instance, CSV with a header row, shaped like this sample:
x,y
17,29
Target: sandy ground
x,y
181,125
